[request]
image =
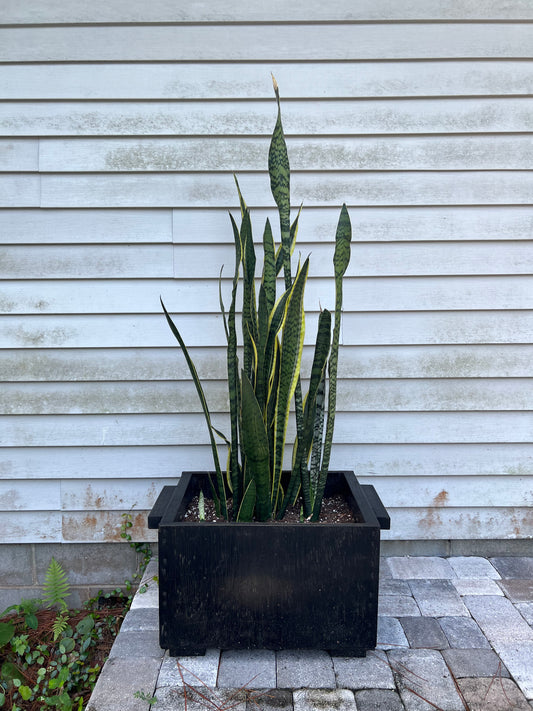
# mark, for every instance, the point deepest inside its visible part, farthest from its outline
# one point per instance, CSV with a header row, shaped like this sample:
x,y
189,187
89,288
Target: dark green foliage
x,y
44,665
262,390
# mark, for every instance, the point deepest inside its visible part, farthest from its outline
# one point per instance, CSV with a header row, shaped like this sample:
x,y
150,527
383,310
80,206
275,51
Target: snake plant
x,y
264,385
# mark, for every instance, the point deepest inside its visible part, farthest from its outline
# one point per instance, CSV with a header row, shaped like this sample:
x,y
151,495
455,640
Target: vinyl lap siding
x,y
120,127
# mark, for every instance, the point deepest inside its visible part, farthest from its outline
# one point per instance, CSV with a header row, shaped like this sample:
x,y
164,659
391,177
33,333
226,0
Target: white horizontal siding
x,y
128,11
152,364
97,495
197,266
448,462
307,117
366,294
213,190
183,429
212,227
364,79
248,154
123,124
384,395
374,224
141,331
265,42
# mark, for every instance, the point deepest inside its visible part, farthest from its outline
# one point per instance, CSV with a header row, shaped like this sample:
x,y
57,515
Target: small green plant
x,y
201,506
141,548
52,662
56,590
262,389
150,700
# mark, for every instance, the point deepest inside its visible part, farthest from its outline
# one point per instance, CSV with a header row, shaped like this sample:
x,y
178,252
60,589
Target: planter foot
x,y
348,652
187,652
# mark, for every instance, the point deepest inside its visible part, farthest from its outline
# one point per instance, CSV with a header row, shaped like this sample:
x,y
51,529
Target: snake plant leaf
x,y
299,475
320,359
247,505
318,432
341,259
256,449
269,267
290,359
242,204
279,171
221,303
294,233
262,374
220,495
249,314
232,363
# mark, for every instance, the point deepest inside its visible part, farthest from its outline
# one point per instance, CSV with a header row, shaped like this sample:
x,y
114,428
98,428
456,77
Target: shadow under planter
x,y
268,585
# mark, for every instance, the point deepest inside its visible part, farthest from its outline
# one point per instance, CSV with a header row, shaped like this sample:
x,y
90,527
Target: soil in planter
x,y
335,509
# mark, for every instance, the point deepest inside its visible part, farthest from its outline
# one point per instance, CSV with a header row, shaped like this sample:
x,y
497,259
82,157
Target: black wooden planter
x,y
268,585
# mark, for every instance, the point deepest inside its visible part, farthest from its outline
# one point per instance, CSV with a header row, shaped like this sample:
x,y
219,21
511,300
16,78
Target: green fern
x,y
60,624
56,586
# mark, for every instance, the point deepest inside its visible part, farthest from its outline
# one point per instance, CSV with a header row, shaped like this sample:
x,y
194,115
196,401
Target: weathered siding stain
x,y
120,129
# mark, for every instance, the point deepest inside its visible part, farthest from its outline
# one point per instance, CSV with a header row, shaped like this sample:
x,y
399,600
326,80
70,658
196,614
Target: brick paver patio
x,y
454,634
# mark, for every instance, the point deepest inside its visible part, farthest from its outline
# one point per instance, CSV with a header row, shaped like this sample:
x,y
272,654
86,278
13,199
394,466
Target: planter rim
x,y
372,511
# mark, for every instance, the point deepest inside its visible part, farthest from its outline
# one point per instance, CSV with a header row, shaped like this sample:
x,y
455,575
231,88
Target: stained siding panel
x,y
212,190
324,154
364,79
160,364
383,294
384,395
122,126
307,117
401,328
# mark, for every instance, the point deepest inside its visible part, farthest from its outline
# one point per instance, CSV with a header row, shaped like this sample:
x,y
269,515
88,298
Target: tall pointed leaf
x,y
233,372
221,493
291,354
294,233
299,474
249,313
279,170
255,445
341,259
246,508
269,267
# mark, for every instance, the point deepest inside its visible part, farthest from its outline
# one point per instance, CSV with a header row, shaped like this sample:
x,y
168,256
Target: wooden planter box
x,y
268,585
